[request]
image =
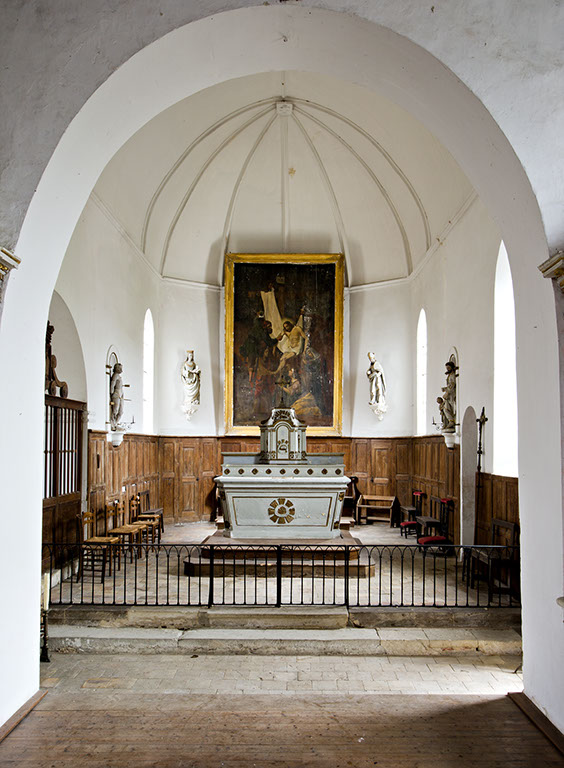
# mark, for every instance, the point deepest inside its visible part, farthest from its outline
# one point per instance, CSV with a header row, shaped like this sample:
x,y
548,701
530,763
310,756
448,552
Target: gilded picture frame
x,y
284,339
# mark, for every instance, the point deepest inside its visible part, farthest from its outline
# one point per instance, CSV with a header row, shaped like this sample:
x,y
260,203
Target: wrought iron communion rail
x,y
283,575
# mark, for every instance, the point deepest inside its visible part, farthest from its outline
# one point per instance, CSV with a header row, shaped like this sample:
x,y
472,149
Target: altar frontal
x,y
281,492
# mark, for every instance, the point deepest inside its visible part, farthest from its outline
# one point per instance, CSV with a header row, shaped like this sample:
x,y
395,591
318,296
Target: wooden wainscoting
x,y
188,466
120,473
497,496
436,471
179,471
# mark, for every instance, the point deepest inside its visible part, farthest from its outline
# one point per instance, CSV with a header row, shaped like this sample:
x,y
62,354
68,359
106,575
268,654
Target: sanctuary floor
x,y
376,533
258,712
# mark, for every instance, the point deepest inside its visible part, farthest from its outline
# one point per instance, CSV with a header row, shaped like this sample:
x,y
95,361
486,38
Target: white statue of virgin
x,y
190,374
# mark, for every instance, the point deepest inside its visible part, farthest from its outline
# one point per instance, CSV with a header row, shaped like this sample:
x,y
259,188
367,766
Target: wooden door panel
x,y
188,496
381,461
360,463
188,462
168,496
167,456
209,468
403,464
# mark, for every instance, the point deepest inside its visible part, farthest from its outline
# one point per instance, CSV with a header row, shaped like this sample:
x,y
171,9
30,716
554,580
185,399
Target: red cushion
x,y
408,523
431,540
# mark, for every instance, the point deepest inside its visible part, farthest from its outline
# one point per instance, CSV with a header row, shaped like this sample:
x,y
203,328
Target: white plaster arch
x,y
234,44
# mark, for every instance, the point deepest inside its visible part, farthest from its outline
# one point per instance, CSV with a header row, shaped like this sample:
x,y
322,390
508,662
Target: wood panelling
x,y
179,471
120,473
496,496
436,472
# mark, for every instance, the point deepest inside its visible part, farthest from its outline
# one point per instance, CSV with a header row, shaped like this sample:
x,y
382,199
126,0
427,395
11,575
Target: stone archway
x,y
234,44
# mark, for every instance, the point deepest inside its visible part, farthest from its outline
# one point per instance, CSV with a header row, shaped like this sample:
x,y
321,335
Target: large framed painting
x,y
284,339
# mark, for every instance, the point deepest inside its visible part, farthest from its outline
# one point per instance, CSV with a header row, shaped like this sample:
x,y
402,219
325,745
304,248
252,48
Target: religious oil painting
x,y
283,339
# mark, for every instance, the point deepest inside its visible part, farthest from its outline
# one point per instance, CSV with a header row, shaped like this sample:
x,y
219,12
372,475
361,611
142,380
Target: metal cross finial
x,y
481,423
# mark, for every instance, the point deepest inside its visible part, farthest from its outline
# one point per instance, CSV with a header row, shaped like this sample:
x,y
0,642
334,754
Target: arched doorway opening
x,y
207,52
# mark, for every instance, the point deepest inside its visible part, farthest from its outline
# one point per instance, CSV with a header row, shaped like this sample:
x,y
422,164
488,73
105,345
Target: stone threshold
x,y
346,641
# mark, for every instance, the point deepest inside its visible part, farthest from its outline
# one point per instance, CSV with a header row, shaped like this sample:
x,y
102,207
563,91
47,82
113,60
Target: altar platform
x,y
266,557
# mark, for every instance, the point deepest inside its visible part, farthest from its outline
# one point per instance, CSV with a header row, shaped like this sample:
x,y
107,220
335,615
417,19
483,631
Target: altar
x,y
282,492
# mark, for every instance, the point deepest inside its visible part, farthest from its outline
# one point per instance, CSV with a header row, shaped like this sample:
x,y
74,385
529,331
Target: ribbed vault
x,y
284,162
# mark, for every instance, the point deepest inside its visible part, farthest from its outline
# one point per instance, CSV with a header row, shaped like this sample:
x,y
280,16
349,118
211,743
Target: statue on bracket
x,y
447,402
448,406
191,379
116,400
117,396
377,382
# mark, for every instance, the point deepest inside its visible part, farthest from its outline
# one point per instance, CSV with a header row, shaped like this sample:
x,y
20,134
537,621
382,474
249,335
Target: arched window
x,y
505,460
421,368
148,372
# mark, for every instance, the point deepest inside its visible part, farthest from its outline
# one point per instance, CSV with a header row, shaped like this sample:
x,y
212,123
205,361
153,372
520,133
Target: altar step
x,y
287,617
347,641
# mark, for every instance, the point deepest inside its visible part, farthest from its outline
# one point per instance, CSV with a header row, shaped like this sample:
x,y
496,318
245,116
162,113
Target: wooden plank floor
x,y
88,728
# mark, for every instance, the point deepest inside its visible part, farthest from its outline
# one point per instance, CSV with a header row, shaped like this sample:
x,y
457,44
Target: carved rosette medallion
x,y
281,511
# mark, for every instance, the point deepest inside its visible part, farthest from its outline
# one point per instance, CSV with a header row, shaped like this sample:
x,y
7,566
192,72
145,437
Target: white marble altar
x,y
281,492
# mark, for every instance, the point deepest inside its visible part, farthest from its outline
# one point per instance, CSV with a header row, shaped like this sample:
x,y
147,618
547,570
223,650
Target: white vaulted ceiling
x,y
284,162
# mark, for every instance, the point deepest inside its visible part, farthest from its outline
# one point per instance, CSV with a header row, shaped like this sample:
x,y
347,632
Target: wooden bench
x,y
503,561
377,509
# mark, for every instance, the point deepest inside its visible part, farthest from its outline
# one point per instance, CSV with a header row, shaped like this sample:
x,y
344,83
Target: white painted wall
x,y
456,289
380,322
108,288
189,318
67,349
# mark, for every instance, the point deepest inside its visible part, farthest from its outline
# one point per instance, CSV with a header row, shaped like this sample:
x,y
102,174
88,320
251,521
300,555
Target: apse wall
x,y
189,318
380,322
456,288
108,287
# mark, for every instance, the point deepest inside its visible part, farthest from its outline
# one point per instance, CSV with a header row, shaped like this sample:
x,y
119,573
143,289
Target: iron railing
x,y
283,575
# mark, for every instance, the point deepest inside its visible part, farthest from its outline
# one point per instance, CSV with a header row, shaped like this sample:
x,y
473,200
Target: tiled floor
x,y
277,712
282,674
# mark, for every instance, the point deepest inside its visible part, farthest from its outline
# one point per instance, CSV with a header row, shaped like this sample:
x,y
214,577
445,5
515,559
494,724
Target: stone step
x,y
227,617
347,641
287,617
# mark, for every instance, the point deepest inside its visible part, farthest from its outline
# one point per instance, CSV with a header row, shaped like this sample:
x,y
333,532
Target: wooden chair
x,y
151,522
96,552
433,530
408,526
129,536
351,499
144,510
499,563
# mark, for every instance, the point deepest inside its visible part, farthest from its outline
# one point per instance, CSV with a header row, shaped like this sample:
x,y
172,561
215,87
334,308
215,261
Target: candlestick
x,y
46,591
